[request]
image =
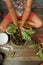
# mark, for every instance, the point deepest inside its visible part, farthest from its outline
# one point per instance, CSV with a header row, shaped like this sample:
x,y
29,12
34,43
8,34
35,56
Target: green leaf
x,y
30,32
13,26
40,53
11,31
33,46
25,36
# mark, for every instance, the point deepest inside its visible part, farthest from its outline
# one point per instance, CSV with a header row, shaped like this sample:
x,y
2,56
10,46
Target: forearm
x,y
26,12
11,11
5,23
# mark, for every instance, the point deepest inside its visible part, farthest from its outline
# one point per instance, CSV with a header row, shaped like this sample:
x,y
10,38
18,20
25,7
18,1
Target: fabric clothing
x,y
8,17
19,6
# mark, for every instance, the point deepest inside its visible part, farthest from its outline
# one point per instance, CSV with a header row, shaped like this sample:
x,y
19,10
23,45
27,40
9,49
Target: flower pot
x,y
17,40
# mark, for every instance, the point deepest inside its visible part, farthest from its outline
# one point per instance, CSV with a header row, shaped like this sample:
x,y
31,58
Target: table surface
x,y
22,52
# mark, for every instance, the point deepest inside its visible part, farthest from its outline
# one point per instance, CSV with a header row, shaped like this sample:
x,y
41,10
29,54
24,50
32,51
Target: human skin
x,y
29,24
11,11
26,12
13,14
4,25
33,19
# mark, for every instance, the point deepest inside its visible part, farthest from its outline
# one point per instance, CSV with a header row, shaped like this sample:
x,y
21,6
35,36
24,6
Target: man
x,y
23,8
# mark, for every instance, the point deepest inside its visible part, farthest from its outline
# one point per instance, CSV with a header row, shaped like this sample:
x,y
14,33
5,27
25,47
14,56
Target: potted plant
x,y
18,36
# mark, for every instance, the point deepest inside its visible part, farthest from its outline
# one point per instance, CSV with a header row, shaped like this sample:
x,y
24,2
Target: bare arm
x,y
11,11
26,12
5,23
